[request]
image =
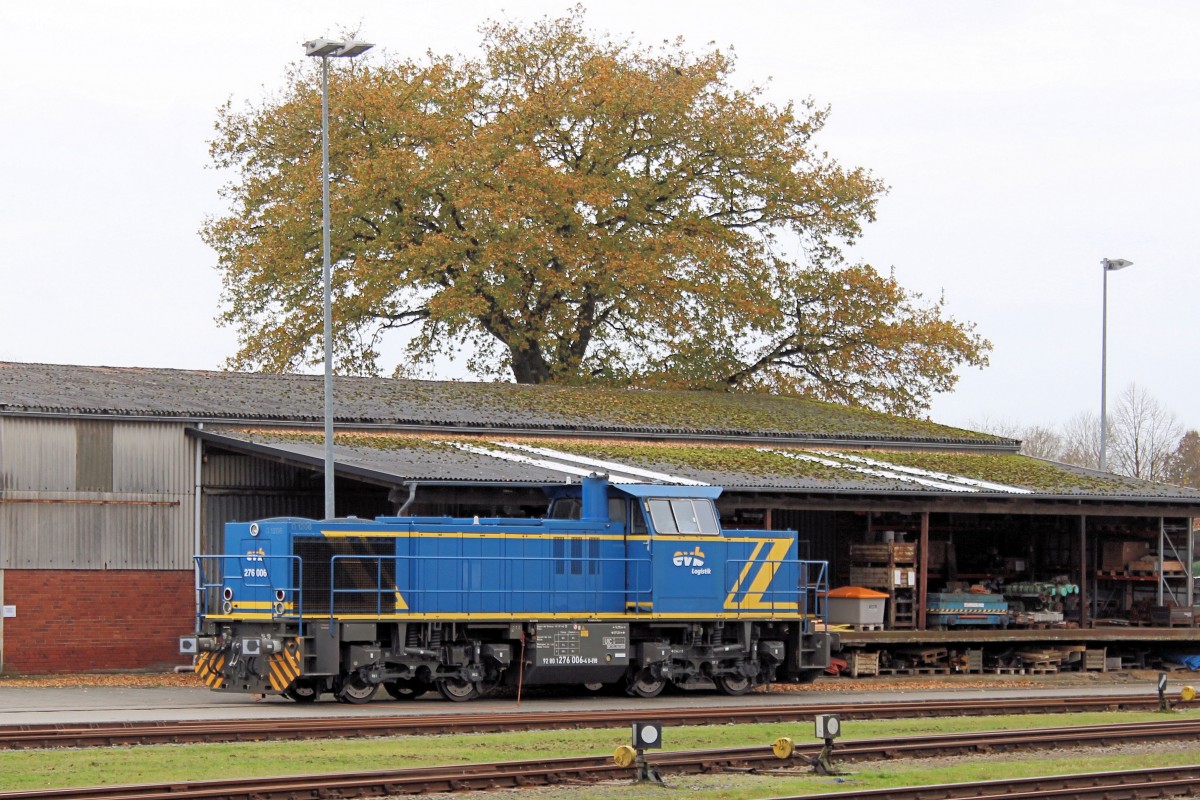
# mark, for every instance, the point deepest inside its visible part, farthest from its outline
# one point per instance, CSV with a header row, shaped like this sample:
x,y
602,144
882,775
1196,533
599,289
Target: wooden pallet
x,y
924,656
1152,573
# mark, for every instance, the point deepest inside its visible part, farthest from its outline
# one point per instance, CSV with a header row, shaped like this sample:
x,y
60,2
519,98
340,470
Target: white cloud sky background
x,y
1023,142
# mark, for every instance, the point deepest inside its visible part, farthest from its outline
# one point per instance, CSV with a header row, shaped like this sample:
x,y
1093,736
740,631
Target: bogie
x,y
457,689
406,689
353,688
303,690
646,684
734,684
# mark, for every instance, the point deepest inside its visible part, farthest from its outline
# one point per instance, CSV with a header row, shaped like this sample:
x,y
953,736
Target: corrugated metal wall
x,y
816,531
37,455
94,494
238,488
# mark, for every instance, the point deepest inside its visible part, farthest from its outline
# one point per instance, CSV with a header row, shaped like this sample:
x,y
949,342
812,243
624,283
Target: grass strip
x,y
42,769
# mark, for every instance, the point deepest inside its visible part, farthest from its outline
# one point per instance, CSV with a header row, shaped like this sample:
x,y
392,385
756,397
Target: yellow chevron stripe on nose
x,y
284,667
208,667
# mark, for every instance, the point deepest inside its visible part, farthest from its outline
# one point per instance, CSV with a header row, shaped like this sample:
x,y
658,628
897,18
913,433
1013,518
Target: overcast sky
x,y
1023,142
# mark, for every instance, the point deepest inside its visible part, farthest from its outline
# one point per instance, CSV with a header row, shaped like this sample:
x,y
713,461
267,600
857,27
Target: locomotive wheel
x,y
646,685
406,689
734,684
353,689
302,691
457,690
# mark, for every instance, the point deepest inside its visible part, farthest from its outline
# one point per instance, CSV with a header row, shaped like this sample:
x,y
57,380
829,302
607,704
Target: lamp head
x,y
336,48
354,47
1114,264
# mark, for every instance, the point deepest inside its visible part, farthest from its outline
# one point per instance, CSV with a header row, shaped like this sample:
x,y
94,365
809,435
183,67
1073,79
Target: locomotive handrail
x,y
631,600
291,590
807,598
815,591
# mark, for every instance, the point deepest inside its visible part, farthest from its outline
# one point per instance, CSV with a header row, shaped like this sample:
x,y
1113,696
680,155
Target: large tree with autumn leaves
x,y
569,208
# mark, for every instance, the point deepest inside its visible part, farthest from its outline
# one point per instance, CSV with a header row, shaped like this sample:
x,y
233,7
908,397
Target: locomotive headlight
x,y
254,529
227,607
228,593
279,609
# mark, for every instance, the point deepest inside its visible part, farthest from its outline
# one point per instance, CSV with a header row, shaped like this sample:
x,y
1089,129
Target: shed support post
x,y
923,571
198,521
1083,573
1162,579
1191,559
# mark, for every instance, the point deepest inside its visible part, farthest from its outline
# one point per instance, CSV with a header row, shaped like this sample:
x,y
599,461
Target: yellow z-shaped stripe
x,y
753,599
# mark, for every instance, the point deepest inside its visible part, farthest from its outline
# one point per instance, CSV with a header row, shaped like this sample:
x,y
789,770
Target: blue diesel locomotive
x,y
633,585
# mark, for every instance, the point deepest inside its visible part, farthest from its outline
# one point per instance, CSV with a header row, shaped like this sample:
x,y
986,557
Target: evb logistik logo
x,y
693,559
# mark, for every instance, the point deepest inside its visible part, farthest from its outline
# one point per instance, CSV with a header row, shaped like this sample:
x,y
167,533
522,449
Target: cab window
x,y
637,522
683,515
572,508
566,508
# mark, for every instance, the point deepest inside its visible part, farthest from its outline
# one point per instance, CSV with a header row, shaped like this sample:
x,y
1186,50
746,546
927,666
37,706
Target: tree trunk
x,y
529,366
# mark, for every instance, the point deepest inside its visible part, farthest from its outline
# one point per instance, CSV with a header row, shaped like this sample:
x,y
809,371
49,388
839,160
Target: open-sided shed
x,y
111,478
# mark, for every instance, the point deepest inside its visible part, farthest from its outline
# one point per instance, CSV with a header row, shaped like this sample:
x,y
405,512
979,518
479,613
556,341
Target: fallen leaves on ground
x,y
106,680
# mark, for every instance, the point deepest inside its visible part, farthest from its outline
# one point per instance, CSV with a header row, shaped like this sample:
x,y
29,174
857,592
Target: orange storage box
x,y
856,592
855,605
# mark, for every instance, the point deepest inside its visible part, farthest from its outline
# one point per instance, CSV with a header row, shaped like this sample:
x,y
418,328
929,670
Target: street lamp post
x,y
326,49
1108,265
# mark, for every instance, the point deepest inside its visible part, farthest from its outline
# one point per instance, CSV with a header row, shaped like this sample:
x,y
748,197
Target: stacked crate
x,y
889,567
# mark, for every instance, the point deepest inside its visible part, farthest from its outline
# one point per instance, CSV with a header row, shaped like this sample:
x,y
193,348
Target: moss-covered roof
x,y
407,457
459,406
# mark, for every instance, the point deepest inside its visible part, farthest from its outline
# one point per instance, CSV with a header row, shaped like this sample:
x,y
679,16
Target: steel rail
x,y
589,768
180,732
1155,782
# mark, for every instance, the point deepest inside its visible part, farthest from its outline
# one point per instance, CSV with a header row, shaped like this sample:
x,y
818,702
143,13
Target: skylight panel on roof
x,y
941,476
553,466
611,466
878,473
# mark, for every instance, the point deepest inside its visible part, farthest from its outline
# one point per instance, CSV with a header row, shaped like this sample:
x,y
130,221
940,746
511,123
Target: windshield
x,y
684,516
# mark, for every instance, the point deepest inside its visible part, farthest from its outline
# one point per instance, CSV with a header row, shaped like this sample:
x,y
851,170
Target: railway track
x,y
1160,782
592,768
191,731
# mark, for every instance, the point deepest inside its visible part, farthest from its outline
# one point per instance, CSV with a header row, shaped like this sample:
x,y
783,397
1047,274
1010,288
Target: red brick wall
x,y
95,620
